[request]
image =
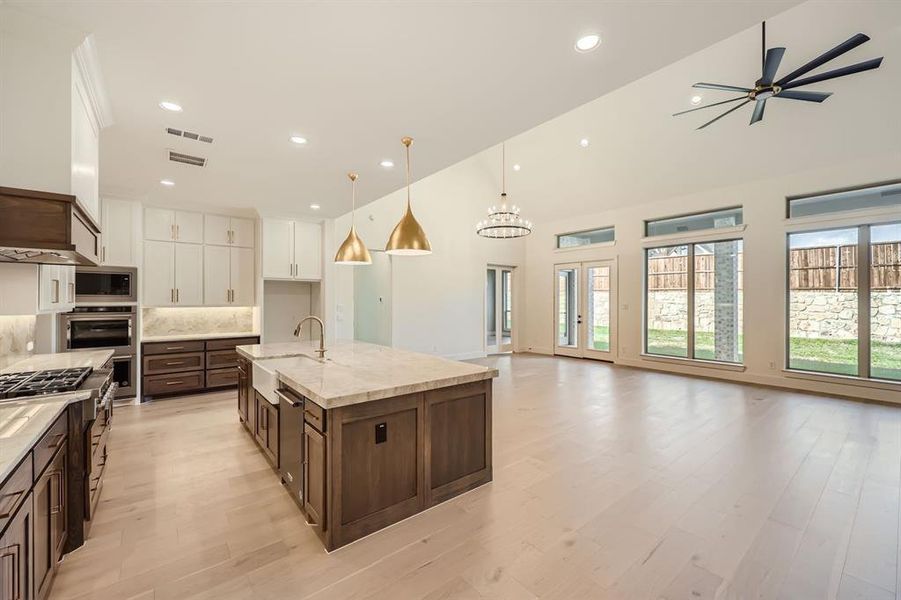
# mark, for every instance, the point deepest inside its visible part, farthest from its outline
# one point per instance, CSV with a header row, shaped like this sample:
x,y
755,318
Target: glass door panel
x,y
585,302
491,310
498,310
599,308
569,319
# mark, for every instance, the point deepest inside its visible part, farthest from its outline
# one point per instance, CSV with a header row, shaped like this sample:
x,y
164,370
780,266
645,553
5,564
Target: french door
x,y
498,310
585,309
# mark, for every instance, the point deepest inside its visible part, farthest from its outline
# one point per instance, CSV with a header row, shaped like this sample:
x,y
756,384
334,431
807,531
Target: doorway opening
x,y
498,309
585,309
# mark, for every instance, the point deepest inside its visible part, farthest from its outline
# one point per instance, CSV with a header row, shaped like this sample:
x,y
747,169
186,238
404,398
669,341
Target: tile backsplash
x,y
16,338
196,320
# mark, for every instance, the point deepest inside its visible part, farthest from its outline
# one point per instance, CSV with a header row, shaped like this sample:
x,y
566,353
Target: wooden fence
x,y
822,268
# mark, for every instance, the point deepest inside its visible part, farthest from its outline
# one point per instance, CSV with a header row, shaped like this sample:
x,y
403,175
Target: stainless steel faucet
x,y
299,328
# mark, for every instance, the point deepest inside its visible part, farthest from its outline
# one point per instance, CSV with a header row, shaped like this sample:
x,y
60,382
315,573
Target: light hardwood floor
x,y
609,483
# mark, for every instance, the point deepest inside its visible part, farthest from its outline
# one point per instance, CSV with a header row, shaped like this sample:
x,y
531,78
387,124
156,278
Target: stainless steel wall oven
x,y
113,327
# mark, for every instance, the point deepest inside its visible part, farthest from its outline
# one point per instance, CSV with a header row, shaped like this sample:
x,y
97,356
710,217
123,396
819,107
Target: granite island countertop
x,y
24,421
60,360
355,372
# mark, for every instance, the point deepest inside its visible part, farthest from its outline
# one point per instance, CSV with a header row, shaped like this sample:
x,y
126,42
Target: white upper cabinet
x,y
57,288
307,250
242,276
117,233
159,273
216,275
85,150
164,224
228,231
33,289
292,249
278,249
188,274
159,224
173,274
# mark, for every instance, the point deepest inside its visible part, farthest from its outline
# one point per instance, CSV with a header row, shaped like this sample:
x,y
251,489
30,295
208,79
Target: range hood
x,y
46,228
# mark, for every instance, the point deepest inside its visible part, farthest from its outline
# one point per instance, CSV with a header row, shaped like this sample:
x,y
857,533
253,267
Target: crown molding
x,y
87,65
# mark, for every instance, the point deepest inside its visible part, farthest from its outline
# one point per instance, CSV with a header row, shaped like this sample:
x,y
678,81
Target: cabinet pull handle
x,y
55,291
174,382
176,295
71,292
12,551
172,231
175,363
58,505
176,232
175,347
103,253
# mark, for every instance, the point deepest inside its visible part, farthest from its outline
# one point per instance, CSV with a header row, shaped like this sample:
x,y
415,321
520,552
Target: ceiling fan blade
x,y
866,65
724,114
802,95
758,111
717,86
710,105
771,65
849,44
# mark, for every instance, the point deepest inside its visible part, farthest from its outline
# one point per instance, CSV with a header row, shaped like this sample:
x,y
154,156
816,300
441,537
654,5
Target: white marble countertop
x,y
23,422
60,360
356,372
197,336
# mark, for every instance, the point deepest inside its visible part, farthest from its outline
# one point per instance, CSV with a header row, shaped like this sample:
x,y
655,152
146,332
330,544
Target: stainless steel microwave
x,y
106,284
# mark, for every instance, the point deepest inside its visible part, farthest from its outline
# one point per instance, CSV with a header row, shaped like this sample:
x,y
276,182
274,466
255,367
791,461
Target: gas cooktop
x,y
36,383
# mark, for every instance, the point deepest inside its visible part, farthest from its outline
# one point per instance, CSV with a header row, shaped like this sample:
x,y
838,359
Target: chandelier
x,y
504,221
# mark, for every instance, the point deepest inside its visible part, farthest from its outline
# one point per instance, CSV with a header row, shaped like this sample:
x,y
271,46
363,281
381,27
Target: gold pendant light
x,y
408,237
353,251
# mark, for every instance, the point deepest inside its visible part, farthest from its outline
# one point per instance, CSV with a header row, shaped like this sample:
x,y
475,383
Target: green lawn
x,y
809,354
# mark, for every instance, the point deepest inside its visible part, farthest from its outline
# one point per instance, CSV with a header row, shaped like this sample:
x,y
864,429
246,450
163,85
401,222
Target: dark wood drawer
x,y
170,347
14,490
222,377
230,343
52,441
219,359
314,415
173,363
173,382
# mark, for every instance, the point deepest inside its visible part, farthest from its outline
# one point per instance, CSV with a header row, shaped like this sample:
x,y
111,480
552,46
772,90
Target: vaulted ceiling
x,y
353,77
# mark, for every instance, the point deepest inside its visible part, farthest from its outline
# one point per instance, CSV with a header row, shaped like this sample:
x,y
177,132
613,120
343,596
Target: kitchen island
x,y
369,435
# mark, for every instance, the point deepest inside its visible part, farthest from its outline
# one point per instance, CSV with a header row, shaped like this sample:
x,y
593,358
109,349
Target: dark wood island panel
x,y
368,465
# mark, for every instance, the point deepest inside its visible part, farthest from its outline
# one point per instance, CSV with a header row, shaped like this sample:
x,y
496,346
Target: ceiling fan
x,y
769,87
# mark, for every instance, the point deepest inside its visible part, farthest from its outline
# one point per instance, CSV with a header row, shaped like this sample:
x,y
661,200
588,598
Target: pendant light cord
x,y
408,175
504,169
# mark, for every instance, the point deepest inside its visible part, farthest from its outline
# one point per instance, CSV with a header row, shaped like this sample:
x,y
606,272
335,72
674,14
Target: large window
x,y
844,312
693,306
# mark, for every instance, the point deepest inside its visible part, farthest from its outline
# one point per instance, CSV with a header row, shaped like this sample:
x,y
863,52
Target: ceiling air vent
x,y
197,161
189,135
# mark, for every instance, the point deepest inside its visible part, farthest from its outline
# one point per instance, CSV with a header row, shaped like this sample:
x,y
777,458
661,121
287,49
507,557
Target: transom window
x,y
877,196
584,238
717,219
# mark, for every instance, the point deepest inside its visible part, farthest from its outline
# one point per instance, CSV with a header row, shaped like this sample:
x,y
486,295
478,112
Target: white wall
x,y
764,271
437,300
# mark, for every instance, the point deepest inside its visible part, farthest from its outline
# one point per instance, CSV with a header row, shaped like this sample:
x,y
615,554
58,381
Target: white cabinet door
x,y
307,250
188,274
216,273
242,276
159,273
67,287
118,244
159,224
85,151
21,289
242,232
216,230
278,248
188,227
51,293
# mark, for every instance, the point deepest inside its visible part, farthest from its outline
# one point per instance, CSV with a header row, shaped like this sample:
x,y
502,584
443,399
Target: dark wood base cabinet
x,y
188,367
357,469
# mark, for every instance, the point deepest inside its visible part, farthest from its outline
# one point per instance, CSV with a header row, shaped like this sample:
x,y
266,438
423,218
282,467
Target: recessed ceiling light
x,y
587,43
170,106
696,100
315,206
516,167
167,182
386,163
584,142
297,139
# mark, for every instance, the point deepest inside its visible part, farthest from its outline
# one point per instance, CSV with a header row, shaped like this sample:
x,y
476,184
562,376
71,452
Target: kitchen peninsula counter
x,y
369,435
